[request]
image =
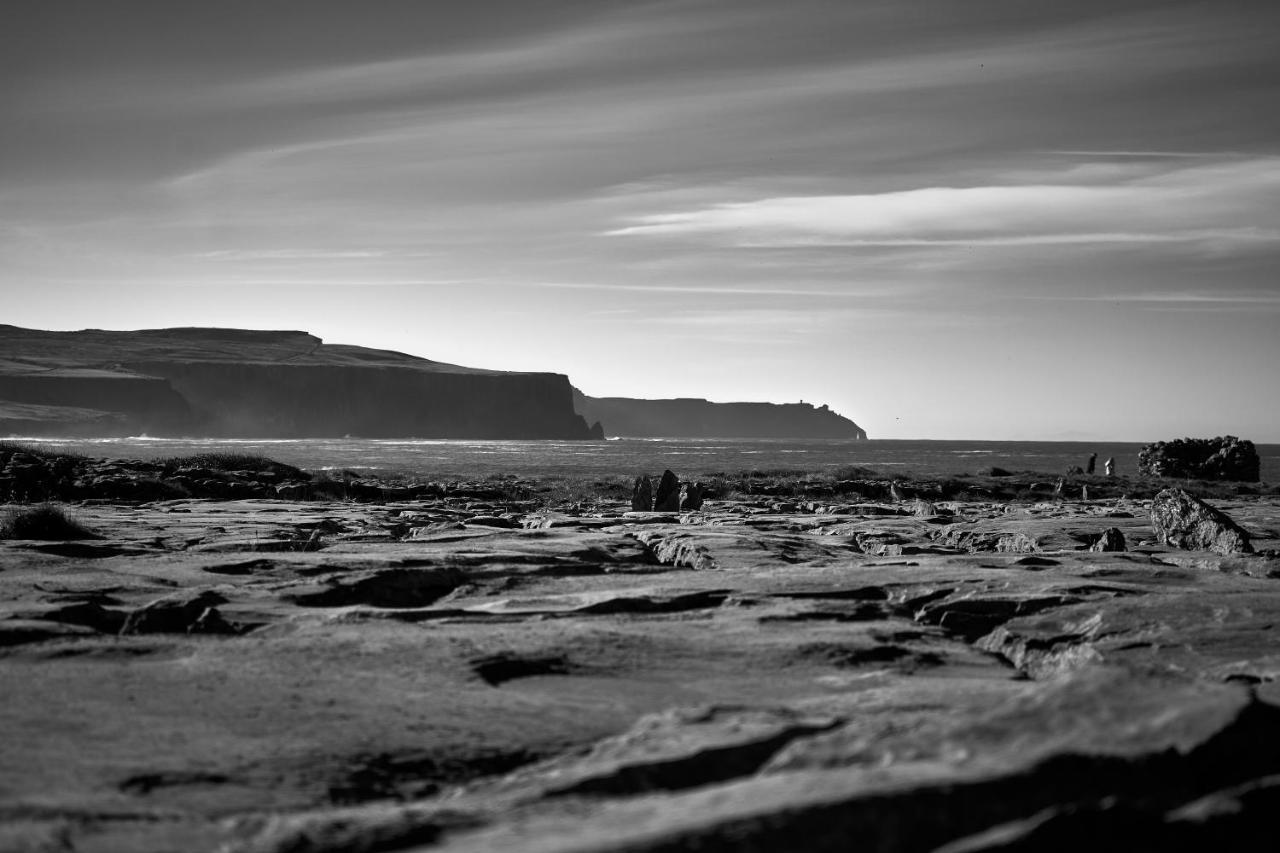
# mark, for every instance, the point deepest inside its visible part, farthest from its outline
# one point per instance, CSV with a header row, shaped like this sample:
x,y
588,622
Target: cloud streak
x,y
1220,205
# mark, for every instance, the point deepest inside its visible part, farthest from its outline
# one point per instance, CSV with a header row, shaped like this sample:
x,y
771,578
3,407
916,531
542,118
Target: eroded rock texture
x,y
462,673
1184,521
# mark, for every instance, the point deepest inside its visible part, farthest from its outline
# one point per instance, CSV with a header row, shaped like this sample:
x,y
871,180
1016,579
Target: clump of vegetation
x,y
42,521
46,455
226,462
30,473
568,490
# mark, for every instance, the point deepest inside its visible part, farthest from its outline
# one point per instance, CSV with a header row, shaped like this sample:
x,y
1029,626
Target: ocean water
x,y
454,459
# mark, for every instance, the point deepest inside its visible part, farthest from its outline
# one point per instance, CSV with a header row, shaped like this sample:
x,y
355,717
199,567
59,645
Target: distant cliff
x,y
263,384
693,418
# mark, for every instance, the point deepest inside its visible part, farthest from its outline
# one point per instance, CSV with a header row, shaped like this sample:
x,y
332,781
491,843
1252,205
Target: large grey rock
x,y
1183,521
1223,458
668,497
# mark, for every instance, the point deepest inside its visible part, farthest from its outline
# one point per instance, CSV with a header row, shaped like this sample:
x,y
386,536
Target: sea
x,y
455,459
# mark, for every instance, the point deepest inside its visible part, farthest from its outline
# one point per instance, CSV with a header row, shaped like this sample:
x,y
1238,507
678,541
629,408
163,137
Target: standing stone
x,y
1112,539
642,495
692,497
1110,467
1183,521
668,497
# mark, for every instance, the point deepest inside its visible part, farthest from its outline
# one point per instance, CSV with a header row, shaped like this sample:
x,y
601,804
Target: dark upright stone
x,y
642,495
668,497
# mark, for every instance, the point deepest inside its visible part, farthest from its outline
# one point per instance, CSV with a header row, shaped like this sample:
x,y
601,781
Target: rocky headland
x,y
778,663
263,384
243,383
695,418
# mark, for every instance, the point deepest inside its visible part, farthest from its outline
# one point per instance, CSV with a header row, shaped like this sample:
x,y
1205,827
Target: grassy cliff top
x,y
99,351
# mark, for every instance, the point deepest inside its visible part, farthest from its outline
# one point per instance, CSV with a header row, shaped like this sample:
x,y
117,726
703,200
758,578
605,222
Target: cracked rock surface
x,y
462,674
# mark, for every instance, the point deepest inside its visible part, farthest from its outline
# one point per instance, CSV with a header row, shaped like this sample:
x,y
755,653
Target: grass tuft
x,y
11,448
42,521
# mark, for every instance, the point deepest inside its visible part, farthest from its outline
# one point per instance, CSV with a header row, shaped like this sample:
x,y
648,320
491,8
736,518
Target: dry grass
x,y
45,455
42,521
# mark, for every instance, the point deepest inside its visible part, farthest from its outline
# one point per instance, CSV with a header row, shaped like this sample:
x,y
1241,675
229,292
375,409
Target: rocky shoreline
x,y
248,659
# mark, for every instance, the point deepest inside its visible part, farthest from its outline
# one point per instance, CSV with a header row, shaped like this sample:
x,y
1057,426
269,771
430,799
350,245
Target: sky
x,y
991,219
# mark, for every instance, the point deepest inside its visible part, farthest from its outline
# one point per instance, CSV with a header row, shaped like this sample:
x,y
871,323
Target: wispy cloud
x,y
1176,155
1217,205
291,254
1154,298
322,283
714,290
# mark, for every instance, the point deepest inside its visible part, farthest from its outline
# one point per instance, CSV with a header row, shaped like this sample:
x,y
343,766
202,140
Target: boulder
x,y
642,495
692,497
1222,458
1110,540
1183,521
668,496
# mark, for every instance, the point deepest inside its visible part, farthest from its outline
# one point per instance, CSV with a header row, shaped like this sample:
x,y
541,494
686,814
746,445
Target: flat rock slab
x,y
262,675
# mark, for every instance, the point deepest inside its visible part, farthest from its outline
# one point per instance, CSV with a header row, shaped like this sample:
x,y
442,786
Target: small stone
x,y
176,614
211,622
1015,543
1110,540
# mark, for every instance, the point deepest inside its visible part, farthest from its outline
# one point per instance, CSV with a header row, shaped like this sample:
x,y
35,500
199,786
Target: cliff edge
x,y
262,384
696,418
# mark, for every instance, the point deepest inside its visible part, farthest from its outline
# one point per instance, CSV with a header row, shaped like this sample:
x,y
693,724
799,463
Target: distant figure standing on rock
x,y
1110,466
1093,463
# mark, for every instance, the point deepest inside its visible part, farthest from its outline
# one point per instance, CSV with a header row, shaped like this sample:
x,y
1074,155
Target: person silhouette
x,y
1093,463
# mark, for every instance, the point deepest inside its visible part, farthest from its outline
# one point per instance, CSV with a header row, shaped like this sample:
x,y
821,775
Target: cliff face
x,y
314,400
88,402
692,418
241,383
